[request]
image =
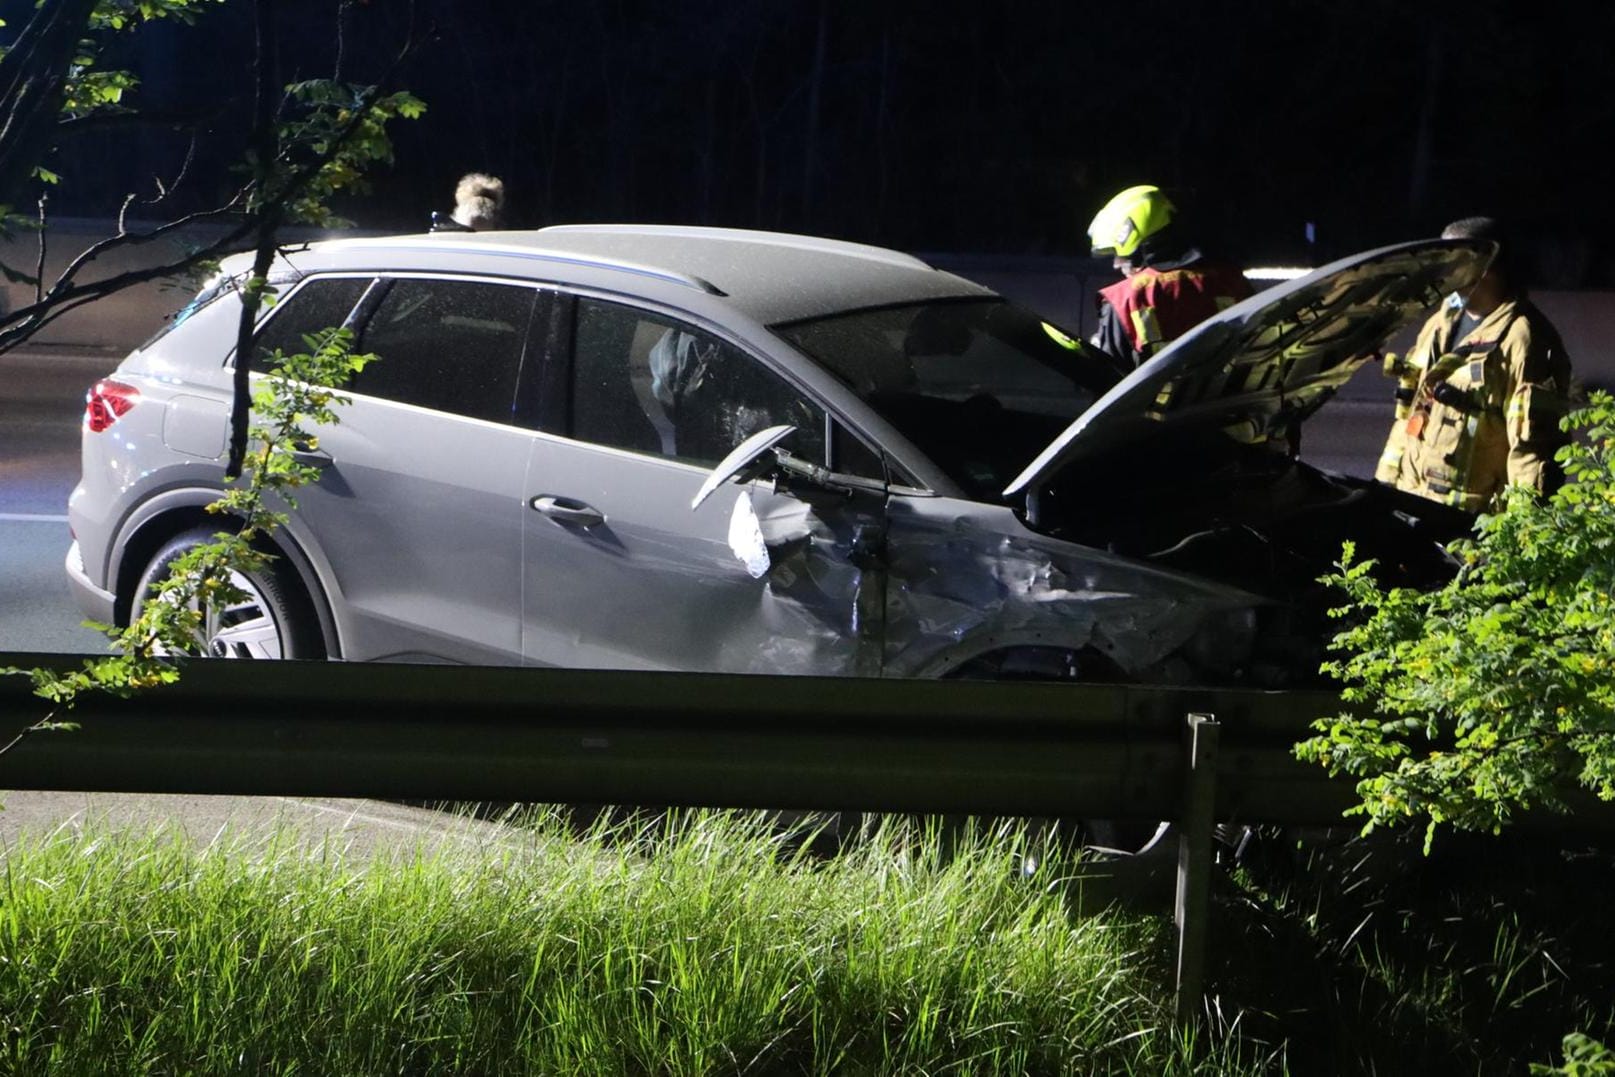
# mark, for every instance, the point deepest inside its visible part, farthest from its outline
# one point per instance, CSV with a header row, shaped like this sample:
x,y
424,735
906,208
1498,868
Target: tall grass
x,y
1371,957
709,949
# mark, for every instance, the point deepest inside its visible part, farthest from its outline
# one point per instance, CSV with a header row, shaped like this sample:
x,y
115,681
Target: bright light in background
x,y
1271,273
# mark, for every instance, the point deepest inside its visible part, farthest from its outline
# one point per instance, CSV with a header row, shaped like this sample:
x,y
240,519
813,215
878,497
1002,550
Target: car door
x,y
418,510
620,572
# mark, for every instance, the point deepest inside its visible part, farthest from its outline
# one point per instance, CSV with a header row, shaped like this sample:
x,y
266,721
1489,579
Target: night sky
x,y
952,127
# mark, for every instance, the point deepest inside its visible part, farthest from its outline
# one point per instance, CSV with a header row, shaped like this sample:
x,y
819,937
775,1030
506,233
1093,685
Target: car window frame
x,y
561,357
523,407
282,303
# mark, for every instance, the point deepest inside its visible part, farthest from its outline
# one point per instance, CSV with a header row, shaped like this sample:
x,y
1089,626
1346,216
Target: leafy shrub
x,y
1496,693
1584,1057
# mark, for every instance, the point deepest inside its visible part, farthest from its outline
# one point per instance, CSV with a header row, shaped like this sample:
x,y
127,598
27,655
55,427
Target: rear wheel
x,y
273,619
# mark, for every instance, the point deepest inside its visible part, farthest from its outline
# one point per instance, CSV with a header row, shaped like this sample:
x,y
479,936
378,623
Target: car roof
x,y
769,277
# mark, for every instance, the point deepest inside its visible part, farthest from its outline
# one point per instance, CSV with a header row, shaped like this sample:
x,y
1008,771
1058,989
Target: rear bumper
x,y
98,605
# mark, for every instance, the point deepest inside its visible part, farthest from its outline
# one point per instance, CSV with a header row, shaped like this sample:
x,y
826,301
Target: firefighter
x,y
1168,286
1481,393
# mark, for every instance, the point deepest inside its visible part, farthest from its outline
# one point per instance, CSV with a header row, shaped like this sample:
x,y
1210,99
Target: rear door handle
x,y
567,510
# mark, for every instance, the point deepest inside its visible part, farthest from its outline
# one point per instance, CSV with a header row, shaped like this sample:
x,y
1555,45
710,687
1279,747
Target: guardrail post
x,y
1193,905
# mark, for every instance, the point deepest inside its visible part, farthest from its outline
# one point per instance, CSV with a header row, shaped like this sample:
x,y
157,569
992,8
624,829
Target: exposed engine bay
x,y
1254,517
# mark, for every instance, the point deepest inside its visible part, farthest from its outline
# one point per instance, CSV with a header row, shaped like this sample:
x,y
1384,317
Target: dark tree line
x,y
971,126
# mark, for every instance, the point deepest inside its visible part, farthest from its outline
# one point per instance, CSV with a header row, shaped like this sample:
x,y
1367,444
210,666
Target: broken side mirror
x,y
759,456
755,542
749,460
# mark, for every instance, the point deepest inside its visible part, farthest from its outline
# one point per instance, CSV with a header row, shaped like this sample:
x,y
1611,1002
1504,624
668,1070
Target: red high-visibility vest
x,y
1157,306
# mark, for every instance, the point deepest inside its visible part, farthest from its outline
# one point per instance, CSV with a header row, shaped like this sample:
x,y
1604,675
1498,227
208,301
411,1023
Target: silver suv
x,y
702,449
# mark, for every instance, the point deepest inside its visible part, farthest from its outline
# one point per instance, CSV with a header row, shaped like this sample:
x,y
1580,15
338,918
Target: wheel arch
x,y
175,511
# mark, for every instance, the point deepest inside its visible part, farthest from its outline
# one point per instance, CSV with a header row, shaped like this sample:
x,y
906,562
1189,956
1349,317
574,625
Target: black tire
x,y
277,621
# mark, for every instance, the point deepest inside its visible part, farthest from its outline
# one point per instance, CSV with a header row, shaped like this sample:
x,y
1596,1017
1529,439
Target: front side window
x,y
449,345
980,386
648,383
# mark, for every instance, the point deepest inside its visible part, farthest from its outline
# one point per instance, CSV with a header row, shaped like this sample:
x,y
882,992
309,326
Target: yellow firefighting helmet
x,y
1129,219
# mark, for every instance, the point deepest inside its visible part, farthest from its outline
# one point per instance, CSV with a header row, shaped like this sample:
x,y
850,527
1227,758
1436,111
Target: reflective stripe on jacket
x,y
1486,411
1157,305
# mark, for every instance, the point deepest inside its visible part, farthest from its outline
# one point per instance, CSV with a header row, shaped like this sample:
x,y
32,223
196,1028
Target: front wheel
x,y
272,620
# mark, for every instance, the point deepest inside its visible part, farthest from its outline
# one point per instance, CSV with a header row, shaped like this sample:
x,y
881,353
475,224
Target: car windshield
x,y
980,386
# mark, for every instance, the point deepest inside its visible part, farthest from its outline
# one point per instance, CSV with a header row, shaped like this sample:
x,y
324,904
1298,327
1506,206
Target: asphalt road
x,y
352,829
41,402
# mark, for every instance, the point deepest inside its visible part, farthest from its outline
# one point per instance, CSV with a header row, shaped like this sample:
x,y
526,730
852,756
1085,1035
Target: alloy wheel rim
x,y
244,629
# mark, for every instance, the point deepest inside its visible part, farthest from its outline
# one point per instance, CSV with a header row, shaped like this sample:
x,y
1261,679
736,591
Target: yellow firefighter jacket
x,y
1485,407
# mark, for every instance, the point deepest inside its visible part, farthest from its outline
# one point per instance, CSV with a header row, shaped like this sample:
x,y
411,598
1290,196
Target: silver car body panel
x,y
655,585
967,579
98,603
437,537
419,514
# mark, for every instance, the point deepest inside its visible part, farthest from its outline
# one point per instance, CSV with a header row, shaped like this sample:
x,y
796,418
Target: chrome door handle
x,y
567,510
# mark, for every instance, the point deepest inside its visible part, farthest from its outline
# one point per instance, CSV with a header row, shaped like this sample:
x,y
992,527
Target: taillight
x,y
107,402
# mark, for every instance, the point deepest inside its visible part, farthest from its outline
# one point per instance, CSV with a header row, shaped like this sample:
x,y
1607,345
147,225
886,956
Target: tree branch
x,y
65,295
39,265
274,204
33,76
190,120
266,151
18,325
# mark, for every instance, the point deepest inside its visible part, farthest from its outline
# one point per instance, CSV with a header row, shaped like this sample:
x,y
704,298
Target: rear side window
x,y
214,289
322,303
450,345
655,385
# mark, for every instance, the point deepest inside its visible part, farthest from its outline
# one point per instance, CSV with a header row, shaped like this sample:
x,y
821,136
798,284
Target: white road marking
x,y
440,825
348,812
31,518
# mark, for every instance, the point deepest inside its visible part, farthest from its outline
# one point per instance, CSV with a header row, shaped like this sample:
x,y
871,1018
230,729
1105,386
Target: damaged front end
x,y
1188,464
970,592
918,585
1167,534
1257,520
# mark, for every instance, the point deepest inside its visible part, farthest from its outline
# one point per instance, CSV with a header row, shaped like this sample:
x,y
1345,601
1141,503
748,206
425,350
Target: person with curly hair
x,y
479,203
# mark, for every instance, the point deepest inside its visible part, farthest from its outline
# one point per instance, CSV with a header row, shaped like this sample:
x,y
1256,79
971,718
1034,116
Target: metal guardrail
x,y
463,733
1194,756
458,733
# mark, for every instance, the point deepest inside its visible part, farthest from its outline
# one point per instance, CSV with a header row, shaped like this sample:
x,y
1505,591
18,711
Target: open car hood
x,y
1270,361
